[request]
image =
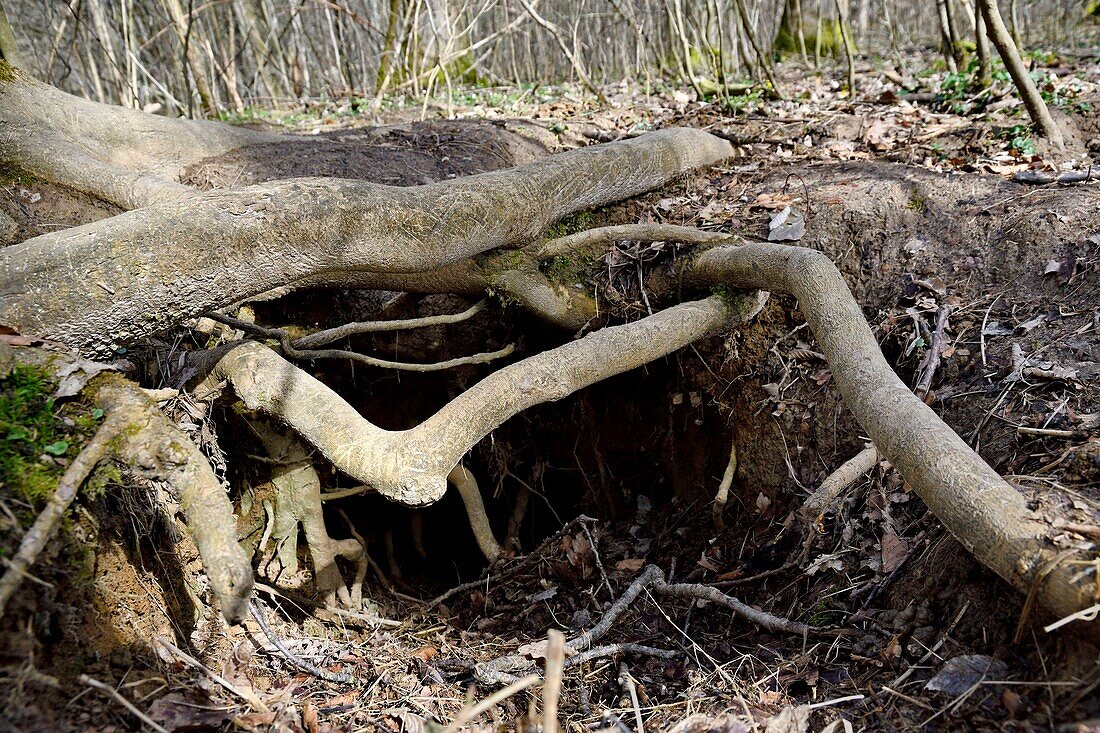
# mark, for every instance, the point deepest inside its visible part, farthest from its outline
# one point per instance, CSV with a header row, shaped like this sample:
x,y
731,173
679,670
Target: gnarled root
x,y
137,433
987,515
227,246
411,466
297,489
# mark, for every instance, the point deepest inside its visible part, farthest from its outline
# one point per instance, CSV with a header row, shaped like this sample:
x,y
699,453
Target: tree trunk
x,y
1010,55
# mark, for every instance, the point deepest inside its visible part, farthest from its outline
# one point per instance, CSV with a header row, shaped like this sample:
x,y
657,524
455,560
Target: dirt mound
x,y
398,155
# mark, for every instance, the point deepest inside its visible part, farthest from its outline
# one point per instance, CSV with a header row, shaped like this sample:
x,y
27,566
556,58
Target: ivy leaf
x,y
57,449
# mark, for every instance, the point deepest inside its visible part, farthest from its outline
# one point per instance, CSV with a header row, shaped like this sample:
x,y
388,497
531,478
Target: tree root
x,y
849,472
153,448
411,466
123,156
226,246
987,515
466,485
293,349
297,490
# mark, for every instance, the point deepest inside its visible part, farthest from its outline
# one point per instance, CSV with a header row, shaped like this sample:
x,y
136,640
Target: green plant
x,y
746,102
37,437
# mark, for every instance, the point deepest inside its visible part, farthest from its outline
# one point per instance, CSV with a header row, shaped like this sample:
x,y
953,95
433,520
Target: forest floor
x,y
909,191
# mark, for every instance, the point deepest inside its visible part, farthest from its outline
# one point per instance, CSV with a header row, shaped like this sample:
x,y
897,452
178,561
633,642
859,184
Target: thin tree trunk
x,y
981,43
9,50
946,39
846,39
1010,55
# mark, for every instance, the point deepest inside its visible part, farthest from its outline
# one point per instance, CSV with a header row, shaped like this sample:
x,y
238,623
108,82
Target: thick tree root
x,y
411,466
123,156
466,485
153,448
987,515
148,269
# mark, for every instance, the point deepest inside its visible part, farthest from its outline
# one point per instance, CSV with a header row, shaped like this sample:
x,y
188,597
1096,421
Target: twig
x,y
932,357
103,687
470,713
1040,178
651,576
610,650
551,688
929,654
519,564
760,618
628,682
343,679
40,533
839,480
247,695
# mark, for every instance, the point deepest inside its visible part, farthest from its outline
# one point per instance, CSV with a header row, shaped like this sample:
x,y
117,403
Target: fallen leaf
x,y
630,564
791,719
894,550
787,226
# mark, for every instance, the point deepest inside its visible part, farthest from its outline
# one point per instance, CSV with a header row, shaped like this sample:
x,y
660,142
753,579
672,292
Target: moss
x,y
37,437
569,268
11,174
7,71
571,224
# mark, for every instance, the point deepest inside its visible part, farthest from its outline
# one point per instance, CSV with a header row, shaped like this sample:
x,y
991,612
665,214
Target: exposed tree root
x,y
466,485
153,448
411,466
124,156
297,493
144,270
292,349
986,514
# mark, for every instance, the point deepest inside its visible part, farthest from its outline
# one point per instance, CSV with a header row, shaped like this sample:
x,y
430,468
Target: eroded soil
x,y
1014,268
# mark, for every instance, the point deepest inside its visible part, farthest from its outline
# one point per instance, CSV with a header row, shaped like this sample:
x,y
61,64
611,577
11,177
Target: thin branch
x,y
40,533
292,352
295,660
103,687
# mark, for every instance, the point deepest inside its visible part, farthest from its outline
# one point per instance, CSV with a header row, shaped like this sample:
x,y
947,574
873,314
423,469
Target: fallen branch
x,y
1042,178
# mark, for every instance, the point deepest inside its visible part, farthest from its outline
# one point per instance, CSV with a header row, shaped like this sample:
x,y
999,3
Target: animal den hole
x,y
643,453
